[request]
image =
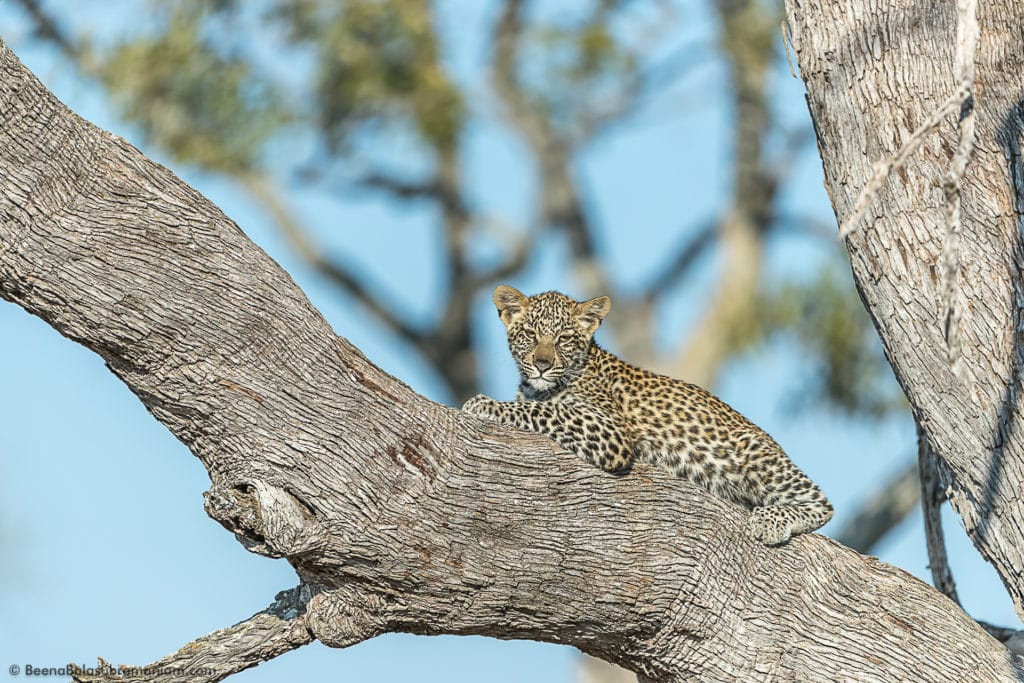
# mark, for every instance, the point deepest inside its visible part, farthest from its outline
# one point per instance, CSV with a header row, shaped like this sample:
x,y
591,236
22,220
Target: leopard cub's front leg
x,y
485,407
574,426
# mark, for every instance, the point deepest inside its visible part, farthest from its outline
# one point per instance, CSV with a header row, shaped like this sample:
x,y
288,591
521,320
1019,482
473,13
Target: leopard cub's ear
x,y
591,313
511,303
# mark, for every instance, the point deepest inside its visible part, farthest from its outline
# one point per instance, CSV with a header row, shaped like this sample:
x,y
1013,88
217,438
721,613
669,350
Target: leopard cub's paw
x,y
769,526
479,405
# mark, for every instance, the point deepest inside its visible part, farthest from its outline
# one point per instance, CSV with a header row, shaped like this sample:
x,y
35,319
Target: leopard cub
x,y
612,414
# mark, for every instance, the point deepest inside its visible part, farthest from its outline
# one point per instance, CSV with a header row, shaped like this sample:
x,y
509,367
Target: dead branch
x,y
276,630
933,494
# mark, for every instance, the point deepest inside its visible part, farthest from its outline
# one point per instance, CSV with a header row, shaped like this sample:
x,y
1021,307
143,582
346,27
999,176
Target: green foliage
x,y
826,318
200,106
378,61
579,70
365,65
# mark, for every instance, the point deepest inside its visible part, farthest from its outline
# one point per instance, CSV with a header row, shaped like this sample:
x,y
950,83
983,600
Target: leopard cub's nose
x,y
541,364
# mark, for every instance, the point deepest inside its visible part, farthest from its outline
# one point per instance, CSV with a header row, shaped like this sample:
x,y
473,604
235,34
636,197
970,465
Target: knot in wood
x,y
343,617
266,519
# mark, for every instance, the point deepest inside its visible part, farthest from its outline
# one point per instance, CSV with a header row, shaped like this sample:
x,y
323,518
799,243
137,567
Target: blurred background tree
x,y
306,105
227,86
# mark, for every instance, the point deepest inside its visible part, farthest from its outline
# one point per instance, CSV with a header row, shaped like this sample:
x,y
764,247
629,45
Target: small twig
x,y
805,225
787,43
887,166
402,189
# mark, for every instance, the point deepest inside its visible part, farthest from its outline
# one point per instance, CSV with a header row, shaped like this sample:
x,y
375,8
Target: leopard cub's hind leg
x,y
791,504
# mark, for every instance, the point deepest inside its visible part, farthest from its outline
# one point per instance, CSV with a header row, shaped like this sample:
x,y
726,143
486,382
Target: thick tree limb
x,y
885,167
859,72
406,515
961,100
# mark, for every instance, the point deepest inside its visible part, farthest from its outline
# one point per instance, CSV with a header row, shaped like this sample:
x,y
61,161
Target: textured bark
x,y
399,514
873,75
274,631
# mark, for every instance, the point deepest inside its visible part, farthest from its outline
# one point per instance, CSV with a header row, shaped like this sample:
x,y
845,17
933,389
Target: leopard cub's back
x,y
682,427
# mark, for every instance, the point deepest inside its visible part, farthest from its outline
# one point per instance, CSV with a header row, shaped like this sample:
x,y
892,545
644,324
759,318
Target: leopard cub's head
x,y
549,334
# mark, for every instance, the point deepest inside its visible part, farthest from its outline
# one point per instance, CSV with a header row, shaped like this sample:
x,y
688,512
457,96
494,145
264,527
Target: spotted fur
x,y
613,414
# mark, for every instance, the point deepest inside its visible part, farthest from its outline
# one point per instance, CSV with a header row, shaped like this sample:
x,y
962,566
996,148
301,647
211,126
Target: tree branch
x,y
962,99
972,420
265,635
933,494
402,189
883,168
889,505
408,515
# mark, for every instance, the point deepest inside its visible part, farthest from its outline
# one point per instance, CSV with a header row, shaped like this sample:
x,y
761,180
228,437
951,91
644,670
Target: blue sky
x,y
105,548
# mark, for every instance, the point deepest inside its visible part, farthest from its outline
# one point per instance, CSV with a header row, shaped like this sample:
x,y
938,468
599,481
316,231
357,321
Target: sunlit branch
x,y
265,635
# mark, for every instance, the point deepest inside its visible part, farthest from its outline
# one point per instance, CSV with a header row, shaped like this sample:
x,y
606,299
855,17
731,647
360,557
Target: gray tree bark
x,y
399,514
873,76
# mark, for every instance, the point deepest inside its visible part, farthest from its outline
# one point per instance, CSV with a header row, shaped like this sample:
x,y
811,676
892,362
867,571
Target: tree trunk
x,y
873,76
399,514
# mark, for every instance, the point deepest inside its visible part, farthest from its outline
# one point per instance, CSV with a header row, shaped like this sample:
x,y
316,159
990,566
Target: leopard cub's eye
x,y
529,334
564,338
